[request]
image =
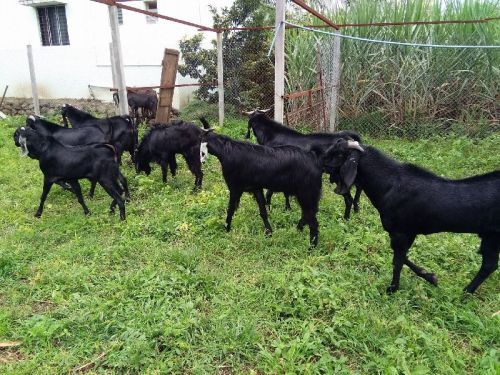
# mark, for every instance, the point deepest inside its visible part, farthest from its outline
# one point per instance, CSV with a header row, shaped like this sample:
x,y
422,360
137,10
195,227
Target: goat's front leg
x,y
163,165
234,201
287,202
348,205
357,195
47,184
489,249
400,244
75,185
259,197
172,163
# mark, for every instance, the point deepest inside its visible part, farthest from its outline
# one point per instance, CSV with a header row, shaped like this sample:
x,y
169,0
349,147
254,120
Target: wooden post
x,y
34,91
335,84
220,78
113,74
279,61
118,59
168,74
320,83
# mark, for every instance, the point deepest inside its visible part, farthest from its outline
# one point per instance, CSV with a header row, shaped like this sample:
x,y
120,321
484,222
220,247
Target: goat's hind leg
x,y
124,185
75,185
428,276
489,249
113,189
357,195
259,197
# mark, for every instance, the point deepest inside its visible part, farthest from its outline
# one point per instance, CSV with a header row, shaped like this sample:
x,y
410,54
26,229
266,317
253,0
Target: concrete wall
x,y
66,71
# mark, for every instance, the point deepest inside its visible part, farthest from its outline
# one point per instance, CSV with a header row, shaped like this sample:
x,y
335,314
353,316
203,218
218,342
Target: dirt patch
x,y
10,355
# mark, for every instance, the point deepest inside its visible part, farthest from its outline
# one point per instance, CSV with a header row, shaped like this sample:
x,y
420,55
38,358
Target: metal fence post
x,y
220,78
113,74
279,61
118,59
335,84
34,91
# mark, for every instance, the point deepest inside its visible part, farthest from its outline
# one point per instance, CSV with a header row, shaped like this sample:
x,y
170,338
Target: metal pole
x,y
34,91
279,61
113,73
118,59
220,78
335,88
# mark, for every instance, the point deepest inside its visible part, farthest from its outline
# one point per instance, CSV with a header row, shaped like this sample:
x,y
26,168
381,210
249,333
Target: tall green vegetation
x,y
408,85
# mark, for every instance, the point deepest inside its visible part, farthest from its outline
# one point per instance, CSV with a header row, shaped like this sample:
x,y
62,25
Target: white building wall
x,y
67,71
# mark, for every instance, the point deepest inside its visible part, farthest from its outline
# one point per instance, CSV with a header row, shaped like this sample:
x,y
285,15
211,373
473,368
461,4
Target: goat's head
x,y
341,159
251,115
24,137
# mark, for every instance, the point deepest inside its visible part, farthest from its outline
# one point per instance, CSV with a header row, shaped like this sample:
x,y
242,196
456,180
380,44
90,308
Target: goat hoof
x,y
122,217
227,227
86,213
432,278
468,290
268,232
391,289
356,208
38,215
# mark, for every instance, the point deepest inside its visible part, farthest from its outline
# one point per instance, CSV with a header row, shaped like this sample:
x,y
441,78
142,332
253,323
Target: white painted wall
x,y
66,71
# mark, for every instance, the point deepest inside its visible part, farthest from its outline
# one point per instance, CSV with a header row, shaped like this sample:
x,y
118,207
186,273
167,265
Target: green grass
x,y
169,291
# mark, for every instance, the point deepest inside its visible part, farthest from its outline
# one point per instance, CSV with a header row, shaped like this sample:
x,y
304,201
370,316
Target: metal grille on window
x,y
152,6
53,25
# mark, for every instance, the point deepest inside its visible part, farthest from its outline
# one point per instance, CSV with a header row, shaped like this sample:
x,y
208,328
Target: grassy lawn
x,y
170,291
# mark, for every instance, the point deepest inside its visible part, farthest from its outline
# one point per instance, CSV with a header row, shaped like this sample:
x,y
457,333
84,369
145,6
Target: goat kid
x,y
96,162
251,168
412,201
271,133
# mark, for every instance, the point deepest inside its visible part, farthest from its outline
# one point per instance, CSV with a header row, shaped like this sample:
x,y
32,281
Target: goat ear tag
x,y
203,152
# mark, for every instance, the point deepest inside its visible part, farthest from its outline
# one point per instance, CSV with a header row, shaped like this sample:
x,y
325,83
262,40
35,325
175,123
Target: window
x,y
152,6
120,16
53,25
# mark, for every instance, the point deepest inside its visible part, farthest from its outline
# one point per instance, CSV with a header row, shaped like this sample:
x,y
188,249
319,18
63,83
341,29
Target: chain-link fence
x,y
393,89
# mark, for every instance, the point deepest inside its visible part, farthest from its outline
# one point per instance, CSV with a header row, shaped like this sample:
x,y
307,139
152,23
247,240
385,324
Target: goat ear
x,y
348,172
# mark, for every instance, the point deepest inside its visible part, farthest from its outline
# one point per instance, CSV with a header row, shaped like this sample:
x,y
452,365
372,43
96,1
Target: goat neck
x,y
377,174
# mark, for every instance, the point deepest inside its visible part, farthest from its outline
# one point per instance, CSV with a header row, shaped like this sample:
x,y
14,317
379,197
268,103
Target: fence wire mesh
x,y
392,89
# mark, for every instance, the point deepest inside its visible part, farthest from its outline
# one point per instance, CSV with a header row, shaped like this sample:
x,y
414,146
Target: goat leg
x,y
93,183
357,195
269,196
47,184
287,202
400,243
259,197
348,201
489,249
75,185
234,200
163,165
428,276
123,182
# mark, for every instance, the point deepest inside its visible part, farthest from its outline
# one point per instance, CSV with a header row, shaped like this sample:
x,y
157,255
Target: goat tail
x,y
205,123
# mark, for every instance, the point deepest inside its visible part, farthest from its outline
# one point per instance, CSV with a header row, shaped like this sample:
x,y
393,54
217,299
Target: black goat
x,y
251,168
120,130
412,201
146,100
97,162
162,142
75,137
271,133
